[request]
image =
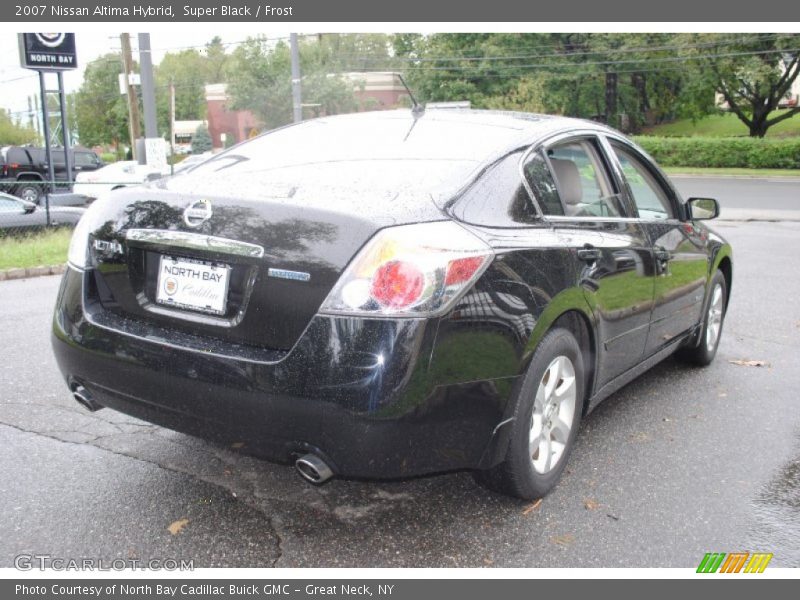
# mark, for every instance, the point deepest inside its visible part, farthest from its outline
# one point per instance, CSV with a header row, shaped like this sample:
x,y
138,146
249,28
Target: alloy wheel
x,y
553,414
714,318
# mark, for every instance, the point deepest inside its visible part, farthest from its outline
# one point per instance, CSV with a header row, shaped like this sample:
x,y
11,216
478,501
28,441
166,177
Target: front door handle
x,y
589,254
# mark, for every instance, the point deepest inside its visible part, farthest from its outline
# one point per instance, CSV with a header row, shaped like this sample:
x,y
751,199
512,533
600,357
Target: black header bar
x,y
404,11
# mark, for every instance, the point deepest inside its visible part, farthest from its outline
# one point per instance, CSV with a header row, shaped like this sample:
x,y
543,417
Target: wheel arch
x,y
571,311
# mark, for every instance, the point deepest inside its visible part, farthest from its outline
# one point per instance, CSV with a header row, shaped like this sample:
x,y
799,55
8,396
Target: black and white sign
x,y
48,51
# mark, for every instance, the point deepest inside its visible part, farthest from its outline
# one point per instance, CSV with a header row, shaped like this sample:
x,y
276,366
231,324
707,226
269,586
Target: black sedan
x,y
391,294
20,216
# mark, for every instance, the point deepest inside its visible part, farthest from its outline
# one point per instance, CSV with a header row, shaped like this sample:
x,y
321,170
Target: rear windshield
x,y
360,152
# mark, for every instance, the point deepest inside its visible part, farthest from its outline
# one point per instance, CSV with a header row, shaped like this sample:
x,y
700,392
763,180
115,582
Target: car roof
x,y
482,133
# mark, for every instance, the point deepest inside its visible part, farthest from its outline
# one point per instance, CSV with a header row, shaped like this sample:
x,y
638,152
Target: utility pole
x,y
297,102
51,177
155,151
133,101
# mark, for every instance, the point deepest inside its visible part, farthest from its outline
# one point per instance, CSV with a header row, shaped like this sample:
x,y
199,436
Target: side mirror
x,y
27,207
703,208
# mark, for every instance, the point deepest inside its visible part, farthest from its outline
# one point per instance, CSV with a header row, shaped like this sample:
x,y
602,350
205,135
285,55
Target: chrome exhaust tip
x,y
313,469
84,398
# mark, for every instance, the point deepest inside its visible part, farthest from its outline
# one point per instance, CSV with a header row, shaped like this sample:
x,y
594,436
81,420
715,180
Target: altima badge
x,y
197,213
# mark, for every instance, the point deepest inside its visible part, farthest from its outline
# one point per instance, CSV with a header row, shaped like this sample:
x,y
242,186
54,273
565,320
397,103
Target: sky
x,y
16,83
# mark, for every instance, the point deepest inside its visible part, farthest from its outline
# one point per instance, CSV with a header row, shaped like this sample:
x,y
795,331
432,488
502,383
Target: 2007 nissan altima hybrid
x,y
391,294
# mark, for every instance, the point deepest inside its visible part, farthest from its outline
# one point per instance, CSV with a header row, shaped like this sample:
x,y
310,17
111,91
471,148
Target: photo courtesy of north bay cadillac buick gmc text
x,y
392,294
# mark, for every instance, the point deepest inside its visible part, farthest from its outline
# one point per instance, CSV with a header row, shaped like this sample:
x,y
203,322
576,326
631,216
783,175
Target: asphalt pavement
x,y
746,198
681,462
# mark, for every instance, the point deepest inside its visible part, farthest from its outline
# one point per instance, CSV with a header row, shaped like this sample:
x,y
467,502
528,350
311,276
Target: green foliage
x,y
32,250
201,140
13,133
260,75
721,125
189,70
746,152
101,111
752,74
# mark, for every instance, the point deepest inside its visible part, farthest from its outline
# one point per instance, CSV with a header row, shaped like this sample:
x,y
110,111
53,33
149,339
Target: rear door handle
x,y
589,254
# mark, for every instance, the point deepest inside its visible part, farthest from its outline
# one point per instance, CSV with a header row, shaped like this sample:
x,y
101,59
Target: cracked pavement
x,y
681,462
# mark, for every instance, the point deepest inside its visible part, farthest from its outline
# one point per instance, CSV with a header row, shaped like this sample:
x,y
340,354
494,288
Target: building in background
x,y
184,132
227,126
378,90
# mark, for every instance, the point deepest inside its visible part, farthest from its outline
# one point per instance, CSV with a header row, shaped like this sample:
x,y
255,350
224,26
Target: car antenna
x,y
416,109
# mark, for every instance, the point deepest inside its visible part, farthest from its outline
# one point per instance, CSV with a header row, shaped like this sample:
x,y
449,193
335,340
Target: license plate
x,y
193,284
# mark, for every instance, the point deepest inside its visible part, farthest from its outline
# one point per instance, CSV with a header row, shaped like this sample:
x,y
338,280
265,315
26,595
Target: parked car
x,y
191,161
24,170
20,216
117,175
392,294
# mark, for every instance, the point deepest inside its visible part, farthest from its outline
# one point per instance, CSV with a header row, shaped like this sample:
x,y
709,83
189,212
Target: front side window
x,y
7,205
584,187
652,201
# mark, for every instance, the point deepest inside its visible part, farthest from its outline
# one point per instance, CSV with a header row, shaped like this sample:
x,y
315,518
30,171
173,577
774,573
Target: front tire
x,y
716,305
548,410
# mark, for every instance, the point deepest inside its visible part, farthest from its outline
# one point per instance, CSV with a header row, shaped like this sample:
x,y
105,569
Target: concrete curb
x,y
39,271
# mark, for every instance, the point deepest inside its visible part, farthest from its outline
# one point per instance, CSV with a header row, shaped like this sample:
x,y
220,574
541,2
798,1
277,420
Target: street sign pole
x,y
47,149
65,128
43,53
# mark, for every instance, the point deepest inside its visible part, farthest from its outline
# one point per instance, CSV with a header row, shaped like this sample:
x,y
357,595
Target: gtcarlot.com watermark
x,y
46,562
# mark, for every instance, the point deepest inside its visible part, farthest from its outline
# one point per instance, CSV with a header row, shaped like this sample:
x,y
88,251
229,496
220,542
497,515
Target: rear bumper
x,y
360,392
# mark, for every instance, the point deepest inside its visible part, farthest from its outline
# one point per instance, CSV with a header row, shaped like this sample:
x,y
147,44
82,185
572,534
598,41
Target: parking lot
x,y
681,462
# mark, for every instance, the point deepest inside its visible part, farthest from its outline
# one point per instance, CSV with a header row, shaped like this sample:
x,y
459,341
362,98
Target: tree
x,y
101,112
13,133
201,140
752,75
187,70
260,74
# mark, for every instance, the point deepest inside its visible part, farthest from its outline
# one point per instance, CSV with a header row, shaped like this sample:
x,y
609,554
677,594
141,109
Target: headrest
x,y
569,180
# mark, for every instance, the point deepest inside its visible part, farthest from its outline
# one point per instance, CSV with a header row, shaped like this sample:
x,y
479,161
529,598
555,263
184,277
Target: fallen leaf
x,y
563,540
529,509
590,504
749,363
176,527
488,561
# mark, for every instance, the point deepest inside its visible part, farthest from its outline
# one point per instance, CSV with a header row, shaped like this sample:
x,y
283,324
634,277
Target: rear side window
x,y
9,206
498,197
584,187
539,177
86,159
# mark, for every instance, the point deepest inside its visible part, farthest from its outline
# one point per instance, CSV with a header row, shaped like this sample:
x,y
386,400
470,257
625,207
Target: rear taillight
x,y
410,270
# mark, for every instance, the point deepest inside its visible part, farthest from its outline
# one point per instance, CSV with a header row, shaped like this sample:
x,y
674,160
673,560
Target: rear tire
x,y
714,316
30,191
547,413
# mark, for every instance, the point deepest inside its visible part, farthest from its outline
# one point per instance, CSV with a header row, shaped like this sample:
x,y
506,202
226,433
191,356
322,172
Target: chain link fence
x,y
32,207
